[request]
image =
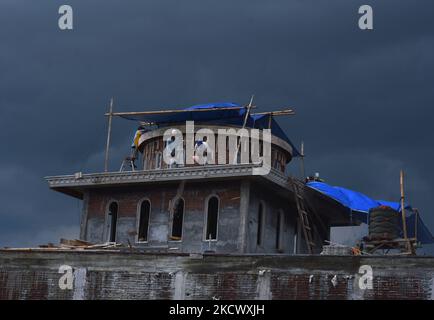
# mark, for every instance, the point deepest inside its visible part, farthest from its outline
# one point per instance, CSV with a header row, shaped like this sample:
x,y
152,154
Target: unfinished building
x,y
224,208
184,229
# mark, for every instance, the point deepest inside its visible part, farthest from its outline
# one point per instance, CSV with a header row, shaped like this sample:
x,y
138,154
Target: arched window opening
x,y
178,219
112,220
279,231
260,234
144,214
212,219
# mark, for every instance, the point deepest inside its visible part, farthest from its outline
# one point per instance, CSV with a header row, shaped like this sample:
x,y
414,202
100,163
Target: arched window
x,y
212,218
261,222
112,217
279,230
144,214
178,219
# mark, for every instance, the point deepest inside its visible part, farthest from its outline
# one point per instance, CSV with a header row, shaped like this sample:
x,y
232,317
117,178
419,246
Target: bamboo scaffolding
x,y
249,107
303,172
408,243
286,112
170,111
109,130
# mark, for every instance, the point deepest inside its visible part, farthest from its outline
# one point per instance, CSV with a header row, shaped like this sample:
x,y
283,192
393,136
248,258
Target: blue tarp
x,y
360,204
221,114
352,199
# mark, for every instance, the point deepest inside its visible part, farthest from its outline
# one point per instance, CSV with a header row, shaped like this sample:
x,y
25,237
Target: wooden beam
x,y
246,117
286,112
171,111
404,222
303,172
109,131
416,218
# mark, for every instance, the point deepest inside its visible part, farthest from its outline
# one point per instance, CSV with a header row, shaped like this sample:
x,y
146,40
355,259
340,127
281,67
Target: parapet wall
x,y
34,274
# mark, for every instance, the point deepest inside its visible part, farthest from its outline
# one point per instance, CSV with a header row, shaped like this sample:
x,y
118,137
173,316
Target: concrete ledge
x,y
161,175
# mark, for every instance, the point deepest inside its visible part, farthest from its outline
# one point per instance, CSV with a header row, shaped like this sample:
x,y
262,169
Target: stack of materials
x,y
336,250
80,244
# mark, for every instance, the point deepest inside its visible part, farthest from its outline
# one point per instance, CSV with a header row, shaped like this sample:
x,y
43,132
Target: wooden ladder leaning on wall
x,y
302,214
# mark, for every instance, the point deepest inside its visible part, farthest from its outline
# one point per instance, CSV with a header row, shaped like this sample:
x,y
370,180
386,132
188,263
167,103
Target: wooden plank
x,y
75,242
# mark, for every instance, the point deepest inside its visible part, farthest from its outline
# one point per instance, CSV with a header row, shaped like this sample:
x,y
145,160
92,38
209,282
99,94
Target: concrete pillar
x,y
84,214
244,215
263,285
79,284
179,285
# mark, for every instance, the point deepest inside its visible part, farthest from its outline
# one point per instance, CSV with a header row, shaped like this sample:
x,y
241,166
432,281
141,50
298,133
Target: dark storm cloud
x,y
363,98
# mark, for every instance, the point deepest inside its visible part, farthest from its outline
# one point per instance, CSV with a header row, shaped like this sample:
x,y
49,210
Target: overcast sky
x,y
364,99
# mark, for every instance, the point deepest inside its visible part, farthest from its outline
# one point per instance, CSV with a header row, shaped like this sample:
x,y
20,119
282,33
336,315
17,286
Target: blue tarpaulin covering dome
x,y
224,113
360,204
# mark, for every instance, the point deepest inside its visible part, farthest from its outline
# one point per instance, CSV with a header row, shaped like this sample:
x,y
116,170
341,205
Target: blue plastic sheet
x,y
360,204
224,113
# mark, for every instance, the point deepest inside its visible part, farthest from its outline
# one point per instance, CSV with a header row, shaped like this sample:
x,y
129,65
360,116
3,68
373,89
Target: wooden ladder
x,y
303,215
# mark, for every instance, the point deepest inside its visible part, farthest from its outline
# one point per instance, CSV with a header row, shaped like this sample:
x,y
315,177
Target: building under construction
x,y
187,229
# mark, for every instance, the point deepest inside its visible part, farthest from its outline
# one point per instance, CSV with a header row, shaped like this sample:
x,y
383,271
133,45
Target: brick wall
x,y
194,195
128,198
124,275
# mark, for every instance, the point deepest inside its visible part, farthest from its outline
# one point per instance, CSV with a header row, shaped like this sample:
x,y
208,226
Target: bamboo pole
x,y
110,115
303,173
285,112
249,106
138,113
169,111
416,220
404,222
246,117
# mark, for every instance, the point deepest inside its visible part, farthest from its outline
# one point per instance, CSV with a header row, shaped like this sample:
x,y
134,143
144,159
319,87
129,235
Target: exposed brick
x,y
124,275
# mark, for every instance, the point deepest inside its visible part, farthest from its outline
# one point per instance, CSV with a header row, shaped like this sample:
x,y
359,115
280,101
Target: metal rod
x,y
109,131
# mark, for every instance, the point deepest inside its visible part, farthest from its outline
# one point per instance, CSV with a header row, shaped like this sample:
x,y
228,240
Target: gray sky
x,y
364,99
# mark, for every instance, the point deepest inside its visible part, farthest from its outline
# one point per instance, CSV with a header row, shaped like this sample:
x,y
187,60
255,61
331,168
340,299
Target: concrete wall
x,y
125,275
292,236
237,219
272,207
195,196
